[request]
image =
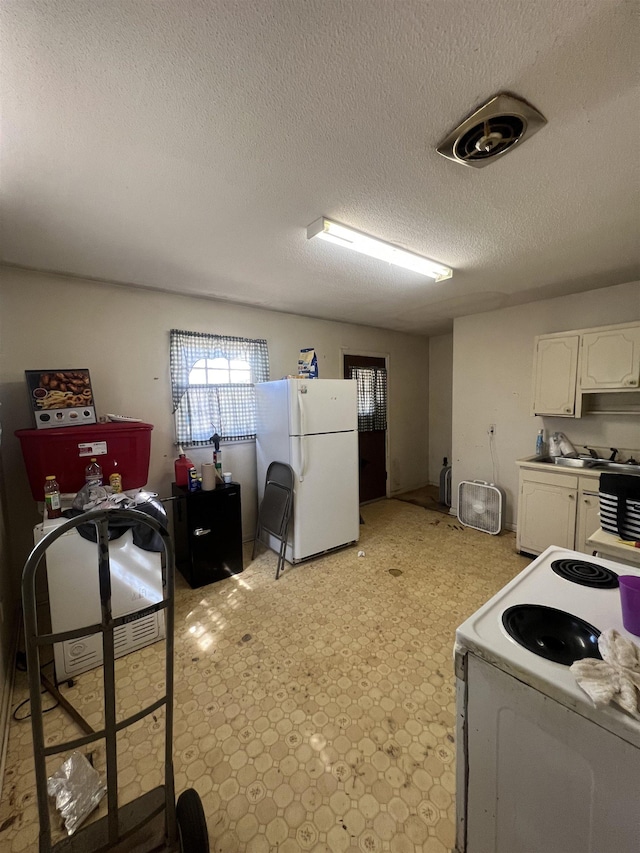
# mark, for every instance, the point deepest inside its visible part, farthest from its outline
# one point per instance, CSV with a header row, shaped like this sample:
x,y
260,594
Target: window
x,y
220,371
372,397
212,384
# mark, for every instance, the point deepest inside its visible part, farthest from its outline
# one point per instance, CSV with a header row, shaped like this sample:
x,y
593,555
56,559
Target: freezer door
x,y
322,405
326,510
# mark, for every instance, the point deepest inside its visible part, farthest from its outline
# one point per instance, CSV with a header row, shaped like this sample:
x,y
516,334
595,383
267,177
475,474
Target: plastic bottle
x,y
93,473
540,443
52,497
217,456
217,461
182,466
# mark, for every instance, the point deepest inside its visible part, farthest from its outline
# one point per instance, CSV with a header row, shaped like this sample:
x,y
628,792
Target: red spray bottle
x,y
182,466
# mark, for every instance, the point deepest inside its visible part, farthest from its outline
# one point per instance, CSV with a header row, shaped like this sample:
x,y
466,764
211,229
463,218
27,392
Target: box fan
x,y
480,506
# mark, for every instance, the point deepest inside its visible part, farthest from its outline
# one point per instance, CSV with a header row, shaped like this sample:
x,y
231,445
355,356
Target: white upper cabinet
x,y
555,372
610,359
587,371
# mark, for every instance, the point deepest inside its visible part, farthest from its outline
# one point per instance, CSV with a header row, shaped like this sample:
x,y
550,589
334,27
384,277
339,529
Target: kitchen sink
x,y
589,462
569,461
573,462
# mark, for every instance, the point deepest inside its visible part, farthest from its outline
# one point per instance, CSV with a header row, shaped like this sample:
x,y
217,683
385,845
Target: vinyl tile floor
x,y
315,713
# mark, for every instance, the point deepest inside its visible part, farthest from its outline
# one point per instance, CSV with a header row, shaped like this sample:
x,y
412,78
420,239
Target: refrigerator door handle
x,y
302,457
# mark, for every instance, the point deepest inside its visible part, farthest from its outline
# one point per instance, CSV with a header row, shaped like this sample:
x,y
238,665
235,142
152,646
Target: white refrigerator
x,y
313,426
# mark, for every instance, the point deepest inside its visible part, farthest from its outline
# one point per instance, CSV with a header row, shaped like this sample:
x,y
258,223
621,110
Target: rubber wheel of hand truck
x,y
192,824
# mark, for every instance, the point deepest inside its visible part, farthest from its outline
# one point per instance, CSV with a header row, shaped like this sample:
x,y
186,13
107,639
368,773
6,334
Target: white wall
x,y
492,377
122,335
440,402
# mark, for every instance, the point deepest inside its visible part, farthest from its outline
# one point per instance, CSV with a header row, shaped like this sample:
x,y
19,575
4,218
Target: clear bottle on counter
x,y
540,443
52,499
93,473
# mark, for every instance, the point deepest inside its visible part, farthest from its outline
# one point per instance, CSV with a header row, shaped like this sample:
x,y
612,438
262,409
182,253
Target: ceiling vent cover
x,y
497,127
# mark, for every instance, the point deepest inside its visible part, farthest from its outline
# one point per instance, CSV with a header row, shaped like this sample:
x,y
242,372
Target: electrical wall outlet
x,y
492,429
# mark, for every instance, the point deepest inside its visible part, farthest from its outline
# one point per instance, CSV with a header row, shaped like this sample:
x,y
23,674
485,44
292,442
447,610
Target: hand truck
x,y
185,827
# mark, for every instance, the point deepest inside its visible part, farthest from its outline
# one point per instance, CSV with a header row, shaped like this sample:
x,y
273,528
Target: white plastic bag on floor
x,y
77,789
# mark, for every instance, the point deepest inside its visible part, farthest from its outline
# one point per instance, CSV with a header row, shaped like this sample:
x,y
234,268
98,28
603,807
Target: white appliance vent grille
x,y
480,506
135,634
82,655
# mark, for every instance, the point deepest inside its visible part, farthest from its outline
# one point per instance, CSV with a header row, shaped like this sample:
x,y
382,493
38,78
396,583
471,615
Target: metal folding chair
x,y
275,509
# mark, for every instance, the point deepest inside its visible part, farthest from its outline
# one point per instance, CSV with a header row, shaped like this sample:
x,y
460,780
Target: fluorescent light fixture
x,y
342,235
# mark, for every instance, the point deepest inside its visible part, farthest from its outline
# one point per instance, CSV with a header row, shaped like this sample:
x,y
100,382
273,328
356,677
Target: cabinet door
x,y
555,372
610,359
546,516
588,520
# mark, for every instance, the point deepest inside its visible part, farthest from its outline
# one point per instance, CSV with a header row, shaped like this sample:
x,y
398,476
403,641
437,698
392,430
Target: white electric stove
x,y
539,768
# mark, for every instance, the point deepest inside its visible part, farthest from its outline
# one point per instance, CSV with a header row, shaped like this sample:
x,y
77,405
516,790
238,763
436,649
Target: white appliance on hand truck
x,y
312,425
74,596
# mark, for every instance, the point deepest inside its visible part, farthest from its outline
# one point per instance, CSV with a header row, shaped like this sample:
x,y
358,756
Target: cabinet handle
x,y
200,531
572,497
567,410
587,501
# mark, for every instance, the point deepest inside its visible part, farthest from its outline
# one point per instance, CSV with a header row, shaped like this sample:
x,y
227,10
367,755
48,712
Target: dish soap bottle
x,y
182,466
540,443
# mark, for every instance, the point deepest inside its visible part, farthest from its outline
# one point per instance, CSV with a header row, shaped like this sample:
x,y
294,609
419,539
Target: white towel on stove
x,y
615,678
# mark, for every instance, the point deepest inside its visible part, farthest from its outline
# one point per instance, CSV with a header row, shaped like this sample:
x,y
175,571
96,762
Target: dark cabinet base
x,y
207,533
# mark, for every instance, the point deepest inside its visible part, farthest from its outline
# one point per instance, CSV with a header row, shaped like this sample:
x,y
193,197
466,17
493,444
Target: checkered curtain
x,y
228,409
372,397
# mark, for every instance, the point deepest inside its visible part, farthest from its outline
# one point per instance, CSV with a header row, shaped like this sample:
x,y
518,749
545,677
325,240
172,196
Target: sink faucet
x,y
590,451
614,453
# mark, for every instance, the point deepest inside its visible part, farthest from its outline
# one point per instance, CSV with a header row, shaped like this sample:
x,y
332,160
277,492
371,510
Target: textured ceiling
x,y
185,146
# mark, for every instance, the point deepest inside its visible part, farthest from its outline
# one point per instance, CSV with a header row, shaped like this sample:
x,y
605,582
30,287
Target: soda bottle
x,y
93,473
52,497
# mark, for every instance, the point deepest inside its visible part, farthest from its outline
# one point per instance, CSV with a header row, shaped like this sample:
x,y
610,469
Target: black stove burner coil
x,y
585,574
552,634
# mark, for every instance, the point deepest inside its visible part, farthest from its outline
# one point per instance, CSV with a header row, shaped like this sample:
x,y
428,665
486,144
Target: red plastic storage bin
x,y
65,452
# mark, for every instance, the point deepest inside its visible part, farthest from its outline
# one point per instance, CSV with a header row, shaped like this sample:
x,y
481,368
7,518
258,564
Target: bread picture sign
x,y
61,397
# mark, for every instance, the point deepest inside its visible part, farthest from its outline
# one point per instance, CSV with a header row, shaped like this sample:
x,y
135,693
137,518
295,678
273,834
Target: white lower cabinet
x,y
556,509
588,516
546,511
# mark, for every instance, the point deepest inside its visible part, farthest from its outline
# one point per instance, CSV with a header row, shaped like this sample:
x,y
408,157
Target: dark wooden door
x,y
371,443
